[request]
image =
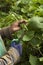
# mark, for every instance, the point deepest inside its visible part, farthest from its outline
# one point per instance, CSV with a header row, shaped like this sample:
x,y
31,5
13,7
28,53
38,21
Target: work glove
x,y
17,45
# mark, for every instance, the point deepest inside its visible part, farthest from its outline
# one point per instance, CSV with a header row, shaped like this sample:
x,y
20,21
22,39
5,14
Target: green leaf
x,y
33,60
28,36
36,23
41,58
35,41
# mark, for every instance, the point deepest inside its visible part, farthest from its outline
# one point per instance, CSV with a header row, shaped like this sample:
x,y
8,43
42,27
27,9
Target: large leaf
x,y
36,23
34,60
28,36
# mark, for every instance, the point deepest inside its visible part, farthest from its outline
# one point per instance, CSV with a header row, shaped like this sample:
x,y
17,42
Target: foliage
x,y
32,12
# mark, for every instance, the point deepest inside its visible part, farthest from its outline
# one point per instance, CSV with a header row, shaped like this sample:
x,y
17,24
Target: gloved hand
x,y
17,45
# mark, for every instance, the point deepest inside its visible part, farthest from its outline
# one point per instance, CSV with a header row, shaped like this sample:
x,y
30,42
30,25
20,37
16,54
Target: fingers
x,y
16,28
19,22
22,21
16,25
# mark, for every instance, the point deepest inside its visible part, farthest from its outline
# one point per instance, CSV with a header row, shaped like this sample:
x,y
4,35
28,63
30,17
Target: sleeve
x,y
6,33
12,57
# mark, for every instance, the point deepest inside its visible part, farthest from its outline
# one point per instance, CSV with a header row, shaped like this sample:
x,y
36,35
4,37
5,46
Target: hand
x,y
16,25
17,46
